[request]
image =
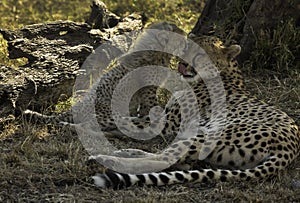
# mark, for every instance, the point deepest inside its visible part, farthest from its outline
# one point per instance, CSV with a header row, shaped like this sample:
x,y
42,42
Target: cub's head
x,y
163,37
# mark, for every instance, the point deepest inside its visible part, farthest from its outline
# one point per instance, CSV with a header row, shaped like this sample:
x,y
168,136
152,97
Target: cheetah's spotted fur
x,y
143,52
257,141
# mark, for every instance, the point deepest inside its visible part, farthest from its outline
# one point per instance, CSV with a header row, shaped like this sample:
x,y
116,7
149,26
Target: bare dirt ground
x,y
46,164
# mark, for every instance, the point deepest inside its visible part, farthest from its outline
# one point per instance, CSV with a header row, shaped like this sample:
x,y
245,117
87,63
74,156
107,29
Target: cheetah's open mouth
x,y
186,70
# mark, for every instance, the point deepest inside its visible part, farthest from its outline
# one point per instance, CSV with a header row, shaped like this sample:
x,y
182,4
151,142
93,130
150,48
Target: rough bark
x,y
55,52
244,20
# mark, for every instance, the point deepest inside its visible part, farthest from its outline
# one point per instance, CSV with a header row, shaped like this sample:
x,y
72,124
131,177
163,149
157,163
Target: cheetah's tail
x,y
120,180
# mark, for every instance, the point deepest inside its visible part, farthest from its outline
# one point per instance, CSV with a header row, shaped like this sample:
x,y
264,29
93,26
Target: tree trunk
x,y
243,21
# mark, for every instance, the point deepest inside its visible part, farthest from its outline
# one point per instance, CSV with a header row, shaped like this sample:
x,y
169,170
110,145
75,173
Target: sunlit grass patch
x,y
16,14
4,58
183,13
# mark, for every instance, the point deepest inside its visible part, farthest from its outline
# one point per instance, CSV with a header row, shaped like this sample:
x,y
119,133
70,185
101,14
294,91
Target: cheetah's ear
x,y
232,51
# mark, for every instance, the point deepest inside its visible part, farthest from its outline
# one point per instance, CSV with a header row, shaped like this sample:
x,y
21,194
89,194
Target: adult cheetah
x,y
255,141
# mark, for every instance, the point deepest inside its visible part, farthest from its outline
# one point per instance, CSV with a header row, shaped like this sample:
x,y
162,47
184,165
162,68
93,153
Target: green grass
x,y
184,13
4,59
17,13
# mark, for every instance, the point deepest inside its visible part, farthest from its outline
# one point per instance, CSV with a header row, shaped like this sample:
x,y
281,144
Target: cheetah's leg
x,y
132,153
142,162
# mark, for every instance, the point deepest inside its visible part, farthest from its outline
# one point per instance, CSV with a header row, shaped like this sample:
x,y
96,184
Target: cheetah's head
x,y
206,57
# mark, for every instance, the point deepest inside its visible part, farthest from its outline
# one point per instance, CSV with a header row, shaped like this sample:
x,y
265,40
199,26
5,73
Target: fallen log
x,y
55,52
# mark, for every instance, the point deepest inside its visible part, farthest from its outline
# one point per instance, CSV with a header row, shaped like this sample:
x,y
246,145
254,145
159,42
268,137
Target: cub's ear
x,y
232,51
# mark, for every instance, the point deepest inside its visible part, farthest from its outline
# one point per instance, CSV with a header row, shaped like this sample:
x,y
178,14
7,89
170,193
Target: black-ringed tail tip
x,y
111,179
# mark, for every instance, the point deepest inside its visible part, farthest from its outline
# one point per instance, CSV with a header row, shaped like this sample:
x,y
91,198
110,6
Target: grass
x,y
41,163
16,14
184,13
45,164
278,50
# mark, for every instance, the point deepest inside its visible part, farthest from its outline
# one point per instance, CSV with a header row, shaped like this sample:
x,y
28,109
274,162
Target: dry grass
x,y
45,164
